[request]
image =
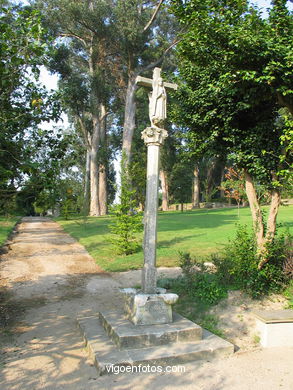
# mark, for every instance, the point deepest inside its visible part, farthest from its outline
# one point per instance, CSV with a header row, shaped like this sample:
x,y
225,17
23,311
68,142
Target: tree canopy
x,y
24,102
236,90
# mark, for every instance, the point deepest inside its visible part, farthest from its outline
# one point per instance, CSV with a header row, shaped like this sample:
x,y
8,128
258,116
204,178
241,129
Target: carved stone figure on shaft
x,y
158,103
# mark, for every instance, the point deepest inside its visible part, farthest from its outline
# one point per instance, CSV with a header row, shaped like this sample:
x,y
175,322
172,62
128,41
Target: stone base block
x,y
275,328
126,335
106,356
148,309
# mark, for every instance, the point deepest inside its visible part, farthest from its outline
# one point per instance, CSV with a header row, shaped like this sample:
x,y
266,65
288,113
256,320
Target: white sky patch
x,y
49,80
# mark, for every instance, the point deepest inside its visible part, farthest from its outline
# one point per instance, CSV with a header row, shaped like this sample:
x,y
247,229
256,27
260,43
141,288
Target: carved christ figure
x,y
158,103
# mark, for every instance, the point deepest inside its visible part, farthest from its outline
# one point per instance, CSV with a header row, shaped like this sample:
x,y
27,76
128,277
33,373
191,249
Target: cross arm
x,y
146,82
143,81
171,86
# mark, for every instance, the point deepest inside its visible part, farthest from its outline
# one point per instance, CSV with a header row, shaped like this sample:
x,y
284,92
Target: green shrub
x,y
207,288
237,266
201,282
289,295
124,227
177,285
127,220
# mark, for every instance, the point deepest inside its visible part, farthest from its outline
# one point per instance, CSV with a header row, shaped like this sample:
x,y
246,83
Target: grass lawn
x,y
200,232
6,225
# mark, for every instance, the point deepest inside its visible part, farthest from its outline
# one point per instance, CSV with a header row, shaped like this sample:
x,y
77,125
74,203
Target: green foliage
x,y
181,182
210,322
127,220
193,303
68,208
237,266
24,102
6,226
202,283
289,295
235,74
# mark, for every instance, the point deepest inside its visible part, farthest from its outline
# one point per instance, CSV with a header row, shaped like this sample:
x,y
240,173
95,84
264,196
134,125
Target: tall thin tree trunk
x,y
103,163
129,119
222,190
210,180
95,139
94,168
165,190
195,188
87,183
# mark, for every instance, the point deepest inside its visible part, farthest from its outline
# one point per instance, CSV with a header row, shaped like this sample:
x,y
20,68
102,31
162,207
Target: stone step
x,y
107,356
126,335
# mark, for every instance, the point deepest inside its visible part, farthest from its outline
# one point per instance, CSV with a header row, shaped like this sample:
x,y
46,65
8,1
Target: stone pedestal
x,y
148,309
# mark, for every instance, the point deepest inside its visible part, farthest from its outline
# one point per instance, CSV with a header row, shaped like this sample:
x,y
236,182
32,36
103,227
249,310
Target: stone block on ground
x,y
275,328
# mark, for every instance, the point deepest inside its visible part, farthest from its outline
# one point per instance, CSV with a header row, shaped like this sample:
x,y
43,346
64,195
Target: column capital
x,y
154,136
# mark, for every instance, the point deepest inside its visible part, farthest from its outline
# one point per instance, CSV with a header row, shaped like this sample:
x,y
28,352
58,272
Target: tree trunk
x,y
94,169
129,119
255,211
103,189
165,190
222,190
210,180
272,218
195,188
271,223
87,184
95,139
103,163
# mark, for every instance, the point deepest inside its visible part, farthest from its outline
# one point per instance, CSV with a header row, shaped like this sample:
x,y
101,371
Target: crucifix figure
x,y
153,137
157,98
158,103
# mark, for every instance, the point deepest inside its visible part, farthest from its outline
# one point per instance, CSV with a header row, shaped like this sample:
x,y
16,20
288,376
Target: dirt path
x,y
53,280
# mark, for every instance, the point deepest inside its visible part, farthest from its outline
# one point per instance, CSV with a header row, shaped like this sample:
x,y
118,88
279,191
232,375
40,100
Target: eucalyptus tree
x,y
83,34
110,42
237,93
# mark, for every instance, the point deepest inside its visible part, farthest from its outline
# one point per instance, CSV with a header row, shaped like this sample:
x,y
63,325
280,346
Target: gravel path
x,y
53,280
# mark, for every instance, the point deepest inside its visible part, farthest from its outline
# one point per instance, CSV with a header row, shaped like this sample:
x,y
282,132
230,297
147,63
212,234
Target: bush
x,y
201,282
127,220
237,266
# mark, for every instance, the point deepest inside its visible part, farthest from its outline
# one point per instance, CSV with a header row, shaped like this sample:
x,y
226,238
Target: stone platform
x,y
112,340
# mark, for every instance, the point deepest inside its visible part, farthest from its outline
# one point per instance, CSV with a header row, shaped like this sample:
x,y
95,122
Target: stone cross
x,y
153,137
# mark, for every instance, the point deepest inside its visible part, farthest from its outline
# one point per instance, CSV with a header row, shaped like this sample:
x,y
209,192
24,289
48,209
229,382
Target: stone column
x,y
153,138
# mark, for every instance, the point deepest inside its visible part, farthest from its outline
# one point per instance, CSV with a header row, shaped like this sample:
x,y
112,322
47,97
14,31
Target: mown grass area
x,y
6,226
200,232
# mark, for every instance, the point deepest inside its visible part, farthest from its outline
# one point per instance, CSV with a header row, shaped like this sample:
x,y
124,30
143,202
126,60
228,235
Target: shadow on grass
x,y
167,243
196,220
